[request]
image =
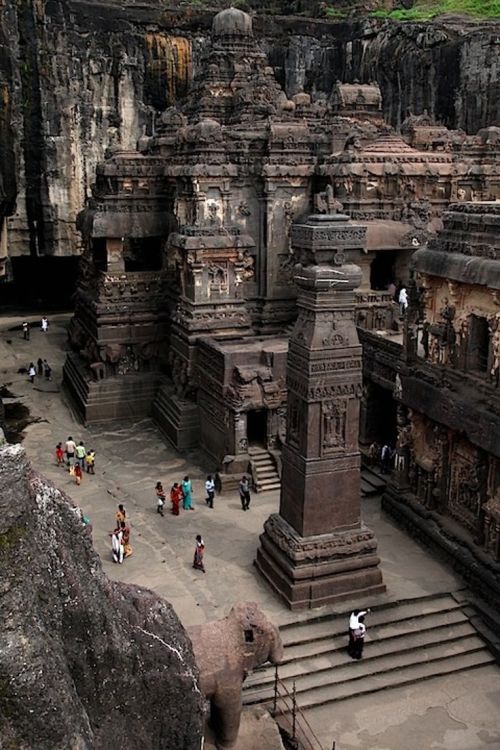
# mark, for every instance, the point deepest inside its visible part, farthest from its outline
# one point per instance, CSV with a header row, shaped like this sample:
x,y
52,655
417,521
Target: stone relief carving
x,y
333,425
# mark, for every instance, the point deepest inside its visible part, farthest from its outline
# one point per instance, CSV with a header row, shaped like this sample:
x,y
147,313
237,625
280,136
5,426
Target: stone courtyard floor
x,y
459,712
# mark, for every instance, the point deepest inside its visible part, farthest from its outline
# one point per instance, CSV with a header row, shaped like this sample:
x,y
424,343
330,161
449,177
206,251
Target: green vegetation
x,y
425,11
336,12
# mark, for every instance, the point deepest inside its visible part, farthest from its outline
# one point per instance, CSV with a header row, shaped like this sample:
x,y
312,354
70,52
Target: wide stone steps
x,y
416,640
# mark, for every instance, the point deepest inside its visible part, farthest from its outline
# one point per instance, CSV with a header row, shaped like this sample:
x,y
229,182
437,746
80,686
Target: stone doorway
x,y
382,270
257,427
380,421
479,344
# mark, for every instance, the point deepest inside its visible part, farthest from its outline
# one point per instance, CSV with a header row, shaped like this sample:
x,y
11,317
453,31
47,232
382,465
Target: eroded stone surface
x,y
84,662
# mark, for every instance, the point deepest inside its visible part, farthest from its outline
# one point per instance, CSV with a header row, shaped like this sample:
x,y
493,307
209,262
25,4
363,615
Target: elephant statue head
x,y
261,638
225,651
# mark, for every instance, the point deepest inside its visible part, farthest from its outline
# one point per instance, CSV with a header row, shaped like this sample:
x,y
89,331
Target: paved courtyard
x,y
455,713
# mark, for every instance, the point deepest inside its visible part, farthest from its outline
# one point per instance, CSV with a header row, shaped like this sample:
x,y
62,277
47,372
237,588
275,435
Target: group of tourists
x,y
121,547
76,458
180,493
382,456
42,368
44,327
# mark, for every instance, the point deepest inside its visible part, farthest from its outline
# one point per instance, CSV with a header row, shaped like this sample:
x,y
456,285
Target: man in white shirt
x,y
359,638
403,301
210,490
70,451
354,625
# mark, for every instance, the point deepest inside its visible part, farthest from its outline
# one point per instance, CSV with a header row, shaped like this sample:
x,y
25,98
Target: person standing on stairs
x,y
359,638
353,626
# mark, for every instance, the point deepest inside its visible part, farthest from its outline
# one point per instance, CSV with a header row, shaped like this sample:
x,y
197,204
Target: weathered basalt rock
x,y
115,66
84,662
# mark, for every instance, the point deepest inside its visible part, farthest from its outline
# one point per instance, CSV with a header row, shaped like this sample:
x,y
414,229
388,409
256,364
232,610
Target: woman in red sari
x,y
199,553
176,497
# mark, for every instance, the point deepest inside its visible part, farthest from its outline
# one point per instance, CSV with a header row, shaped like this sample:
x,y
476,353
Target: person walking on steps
x,y
359,638
353,626
210,490
245,493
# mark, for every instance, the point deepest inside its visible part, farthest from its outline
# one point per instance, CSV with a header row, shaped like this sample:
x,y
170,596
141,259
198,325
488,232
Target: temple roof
x,y
232,22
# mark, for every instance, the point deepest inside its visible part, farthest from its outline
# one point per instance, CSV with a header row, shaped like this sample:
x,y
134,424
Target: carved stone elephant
x,y
225,651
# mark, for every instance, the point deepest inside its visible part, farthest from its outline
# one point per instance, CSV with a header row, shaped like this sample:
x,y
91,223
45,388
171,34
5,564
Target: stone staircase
x,y
414,640
373,482
264,472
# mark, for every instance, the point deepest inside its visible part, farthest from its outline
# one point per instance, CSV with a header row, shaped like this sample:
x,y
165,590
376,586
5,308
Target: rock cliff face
x,y
79,76
84,663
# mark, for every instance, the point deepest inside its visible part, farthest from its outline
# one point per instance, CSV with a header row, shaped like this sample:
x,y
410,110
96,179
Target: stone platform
x,y
317,570
448,712
124,397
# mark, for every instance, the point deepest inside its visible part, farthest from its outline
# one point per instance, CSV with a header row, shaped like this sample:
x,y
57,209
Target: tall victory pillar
x,y
317,550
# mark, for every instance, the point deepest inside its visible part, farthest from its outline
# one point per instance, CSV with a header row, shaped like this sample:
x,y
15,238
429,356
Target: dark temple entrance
x,y
382,269
380,425
257,427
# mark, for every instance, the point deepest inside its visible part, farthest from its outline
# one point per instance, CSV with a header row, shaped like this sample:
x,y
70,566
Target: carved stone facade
x,y
317,549
450,393
187,242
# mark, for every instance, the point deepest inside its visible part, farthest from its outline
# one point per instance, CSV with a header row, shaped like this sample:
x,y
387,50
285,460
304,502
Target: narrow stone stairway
x,y
265,475
373,482
414,640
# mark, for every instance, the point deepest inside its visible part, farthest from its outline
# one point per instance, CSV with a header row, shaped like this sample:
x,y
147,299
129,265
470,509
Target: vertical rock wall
x,y
78,77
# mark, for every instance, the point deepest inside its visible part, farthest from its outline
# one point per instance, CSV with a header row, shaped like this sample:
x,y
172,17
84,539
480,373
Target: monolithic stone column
x,y
317,550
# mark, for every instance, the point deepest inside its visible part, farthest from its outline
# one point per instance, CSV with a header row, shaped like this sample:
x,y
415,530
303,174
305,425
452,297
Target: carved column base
x,y
312,571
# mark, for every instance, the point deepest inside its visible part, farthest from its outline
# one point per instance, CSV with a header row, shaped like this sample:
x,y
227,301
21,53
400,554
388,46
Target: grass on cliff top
x,y
425,11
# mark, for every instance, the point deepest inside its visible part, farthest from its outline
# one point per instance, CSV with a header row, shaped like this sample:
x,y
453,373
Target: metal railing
x,y
291,719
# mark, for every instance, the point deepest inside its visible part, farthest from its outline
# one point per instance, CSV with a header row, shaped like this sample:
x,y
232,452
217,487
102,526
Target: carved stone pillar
x,y
114,253
317,550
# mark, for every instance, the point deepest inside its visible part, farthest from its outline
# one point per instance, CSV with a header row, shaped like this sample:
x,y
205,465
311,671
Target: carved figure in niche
x,y
326,203
352,142
217,278
112,354
248,262
425,339
98,370
403,442
397,391
495,364
179,375
213,214
128,362
294,414
244,209
281,415
225,651
334,419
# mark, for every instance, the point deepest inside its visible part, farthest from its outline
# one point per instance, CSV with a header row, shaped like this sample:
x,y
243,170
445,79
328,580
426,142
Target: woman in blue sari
x,y
187,491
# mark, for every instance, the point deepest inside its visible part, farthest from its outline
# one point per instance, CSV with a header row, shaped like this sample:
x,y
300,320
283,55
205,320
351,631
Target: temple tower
x,y
317,550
